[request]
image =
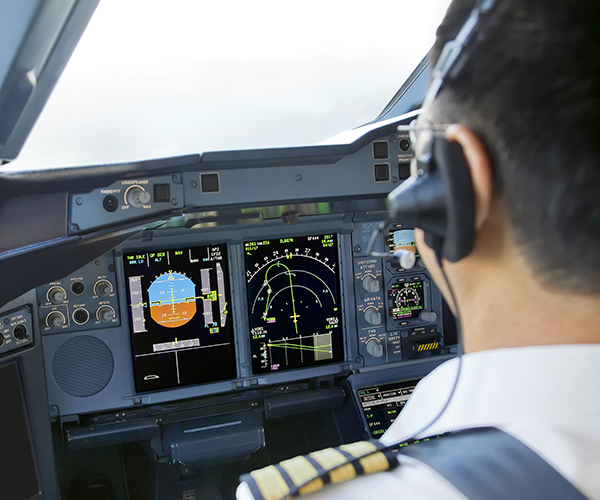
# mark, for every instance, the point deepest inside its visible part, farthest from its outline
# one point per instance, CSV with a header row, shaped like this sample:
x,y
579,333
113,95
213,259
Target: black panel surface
x,y
18,478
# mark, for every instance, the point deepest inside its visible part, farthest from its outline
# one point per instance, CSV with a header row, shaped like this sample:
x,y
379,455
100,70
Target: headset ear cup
x,y
460,206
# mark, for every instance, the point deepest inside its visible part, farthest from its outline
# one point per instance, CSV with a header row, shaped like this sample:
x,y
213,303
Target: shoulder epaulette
x,y
308,473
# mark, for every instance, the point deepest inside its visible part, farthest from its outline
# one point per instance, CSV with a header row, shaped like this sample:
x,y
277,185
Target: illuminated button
x,y
103,288
56,295
374,348
371,284
55,319
105,314
373,316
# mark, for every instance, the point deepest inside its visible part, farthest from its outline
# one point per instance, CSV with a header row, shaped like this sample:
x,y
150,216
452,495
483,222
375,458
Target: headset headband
x,y
453,57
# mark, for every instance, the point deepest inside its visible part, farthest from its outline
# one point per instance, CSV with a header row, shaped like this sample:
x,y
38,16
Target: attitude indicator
x,y
181,332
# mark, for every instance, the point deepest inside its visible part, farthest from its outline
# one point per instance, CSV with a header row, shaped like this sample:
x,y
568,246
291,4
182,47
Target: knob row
x,y
57,294
373,316
57,319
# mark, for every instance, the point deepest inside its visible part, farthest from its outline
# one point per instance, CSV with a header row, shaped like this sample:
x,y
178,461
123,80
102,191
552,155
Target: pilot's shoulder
x,y
347,472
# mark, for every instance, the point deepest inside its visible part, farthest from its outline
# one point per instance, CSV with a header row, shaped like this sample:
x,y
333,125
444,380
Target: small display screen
x,y
382,404
181,329
408,300
293,302
402,239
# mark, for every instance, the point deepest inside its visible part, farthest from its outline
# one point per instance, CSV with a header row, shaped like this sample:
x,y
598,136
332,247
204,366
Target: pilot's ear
x,y
480,166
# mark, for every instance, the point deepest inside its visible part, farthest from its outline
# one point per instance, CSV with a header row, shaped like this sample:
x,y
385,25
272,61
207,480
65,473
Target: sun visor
x,y
37,39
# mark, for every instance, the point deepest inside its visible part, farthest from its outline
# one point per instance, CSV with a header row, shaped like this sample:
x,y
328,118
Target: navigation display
x,y
181,330
293,302
408,300
382,404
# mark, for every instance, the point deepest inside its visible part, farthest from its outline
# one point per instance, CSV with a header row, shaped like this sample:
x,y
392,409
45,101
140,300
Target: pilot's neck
x,y
503,304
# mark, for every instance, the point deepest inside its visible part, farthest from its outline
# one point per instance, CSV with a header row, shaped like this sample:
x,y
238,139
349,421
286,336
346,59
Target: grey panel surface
x,y
16,330
97,292
247,181
31,365
120,202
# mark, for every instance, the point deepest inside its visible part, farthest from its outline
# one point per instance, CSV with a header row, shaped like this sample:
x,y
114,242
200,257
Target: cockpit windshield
x,y
152,79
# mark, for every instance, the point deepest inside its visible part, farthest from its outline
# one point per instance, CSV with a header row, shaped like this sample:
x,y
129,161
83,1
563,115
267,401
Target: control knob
x,y
103,288
105,314
55,319
56,295
371,284
428,316
373,316
374,348
137,196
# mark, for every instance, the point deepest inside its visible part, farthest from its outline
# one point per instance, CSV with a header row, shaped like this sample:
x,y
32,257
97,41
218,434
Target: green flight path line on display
x,y
295,317
302,347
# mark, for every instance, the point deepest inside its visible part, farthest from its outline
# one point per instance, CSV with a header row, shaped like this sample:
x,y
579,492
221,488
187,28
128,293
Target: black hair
x,y
531,90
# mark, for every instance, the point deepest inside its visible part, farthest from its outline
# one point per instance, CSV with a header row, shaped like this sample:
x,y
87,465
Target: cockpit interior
x,y
167,325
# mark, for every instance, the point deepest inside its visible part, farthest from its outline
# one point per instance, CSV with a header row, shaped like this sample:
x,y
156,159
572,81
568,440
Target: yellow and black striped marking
x,y
428,347
309,473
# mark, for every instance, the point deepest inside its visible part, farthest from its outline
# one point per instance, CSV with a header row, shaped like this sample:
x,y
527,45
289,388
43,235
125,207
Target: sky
x,y
152,79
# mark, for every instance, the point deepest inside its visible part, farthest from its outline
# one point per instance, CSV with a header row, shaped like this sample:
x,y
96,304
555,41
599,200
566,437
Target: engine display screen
x,y
408,300
402,239
293,302
382,404
181,330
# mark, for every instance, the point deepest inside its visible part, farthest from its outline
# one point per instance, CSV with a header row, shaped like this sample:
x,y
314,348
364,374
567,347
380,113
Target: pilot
x,y
525,110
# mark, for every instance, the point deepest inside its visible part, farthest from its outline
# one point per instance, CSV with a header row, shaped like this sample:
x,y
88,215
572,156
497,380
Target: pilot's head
x,y
527,105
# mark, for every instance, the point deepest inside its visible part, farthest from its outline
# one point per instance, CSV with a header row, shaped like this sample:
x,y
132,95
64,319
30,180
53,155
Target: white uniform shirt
x,y
548,397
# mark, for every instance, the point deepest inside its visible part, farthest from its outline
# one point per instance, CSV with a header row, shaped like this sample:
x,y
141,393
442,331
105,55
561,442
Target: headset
x,y
439,198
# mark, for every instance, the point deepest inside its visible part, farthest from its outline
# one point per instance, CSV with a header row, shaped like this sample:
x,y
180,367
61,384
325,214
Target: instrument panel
x,y
229,288
211,310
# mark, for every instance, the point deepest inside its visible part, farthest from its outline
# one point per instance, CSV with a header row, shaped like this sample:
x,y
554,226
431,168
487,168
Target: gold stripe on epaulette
x,y
329,458
376,462
300,470
342,473
270,483
359,449
315,485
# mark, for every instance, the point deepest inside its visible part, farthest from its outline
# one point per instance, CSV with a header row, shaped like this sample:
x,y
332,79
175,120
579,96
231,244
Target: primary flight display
x,y
181,327
293,302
